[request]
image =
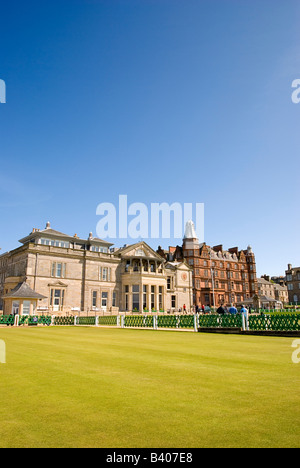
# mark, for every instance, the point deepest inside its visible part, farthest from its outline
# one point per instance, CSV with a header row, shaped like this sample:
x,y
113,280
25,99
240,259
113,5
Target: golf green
x,y
113,388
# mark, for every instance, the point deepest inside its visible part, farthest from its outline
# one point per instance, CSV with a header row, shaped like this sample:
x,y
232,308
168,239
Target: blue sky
x,y
162,100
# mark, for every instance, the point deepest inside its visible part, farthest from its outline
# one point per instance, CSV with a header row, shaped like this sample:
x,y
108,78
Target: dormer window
x,y
96,248
55,243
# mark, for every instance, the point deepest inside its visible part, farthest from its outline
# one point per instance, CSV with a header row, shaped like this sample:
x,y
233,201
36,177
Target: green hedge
x,y
34,320
108,320
275,322
64,321
8,320
86,320
167,321
220,321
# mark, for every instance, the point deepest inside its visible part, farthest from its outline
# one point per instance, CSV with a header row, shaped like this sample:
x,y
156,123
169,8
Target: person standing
x,y
244,312
233,310
221,310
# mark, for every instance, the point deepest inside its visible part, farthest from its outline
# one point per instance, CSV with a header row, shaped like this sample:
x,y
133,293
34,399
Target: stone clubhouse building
x,y
54,273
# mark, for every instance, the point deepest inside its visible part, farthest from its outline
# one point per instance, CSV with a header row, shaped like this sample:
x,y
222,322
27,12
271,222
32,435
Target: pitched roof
x,y
52,233
23,291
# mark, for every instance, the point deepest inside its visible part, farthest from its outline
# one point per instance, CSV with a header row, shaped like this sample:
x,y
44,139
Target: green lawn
x,y
89,387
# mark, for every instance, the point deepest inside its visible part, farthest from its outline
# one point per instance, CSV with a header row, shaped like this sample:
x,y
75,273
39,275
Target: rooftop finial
x,y
190,232
48,225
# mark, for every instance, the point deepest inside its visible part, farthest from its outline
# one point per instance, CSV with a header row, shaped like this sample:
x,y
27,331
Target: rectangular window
x,y
94,298
95,248
58,270
26,307
114,299
104,299
105,274
56,243
173,302
136,301
144,297
152,297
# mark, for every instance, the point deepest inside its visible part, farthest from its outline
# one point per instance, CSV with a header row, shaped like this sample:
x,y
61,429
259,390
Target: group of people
x,y
232,310
222,310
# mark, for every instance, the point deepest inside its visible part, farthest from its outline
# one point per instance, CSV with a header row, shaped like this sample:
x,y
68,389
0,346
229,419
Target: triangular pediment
x,y
58,284
139,250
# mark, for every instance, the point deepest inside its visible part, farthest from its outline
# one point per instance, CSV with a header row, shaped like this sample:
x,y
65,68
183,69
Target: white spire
x,y
190,232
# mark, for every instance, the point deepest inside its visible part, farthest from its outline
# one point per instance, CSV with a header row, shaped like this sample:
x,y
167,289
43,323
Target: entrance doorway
x,y
15,307
57,299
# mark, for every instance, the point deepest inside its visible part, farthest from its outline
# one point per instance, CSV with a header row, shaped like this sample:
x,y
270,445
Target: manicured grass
x,y
89,387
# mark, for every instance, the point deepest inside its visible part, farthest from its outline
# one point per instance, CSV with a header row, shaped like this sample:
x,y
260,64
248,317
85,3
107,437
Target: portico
x,y
145,278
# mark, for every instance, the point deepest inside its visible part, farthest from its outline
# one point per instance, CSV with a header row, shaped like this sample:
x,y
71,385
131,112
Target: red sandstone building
x,y
220,277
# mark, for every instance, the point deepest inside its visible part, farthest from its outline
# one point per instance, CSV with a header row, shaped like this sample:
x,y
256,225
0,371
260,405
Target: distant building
x,y
271,295
281,280
220,277
293,284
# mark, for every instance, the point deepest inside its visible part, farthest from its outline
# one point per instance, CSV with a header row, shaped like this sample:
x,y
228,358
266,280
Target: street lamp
x,y
212,279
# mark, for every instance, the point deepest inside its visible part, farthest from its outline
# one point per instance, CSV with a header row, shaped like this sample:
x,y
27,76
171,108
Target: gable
x,y
140,250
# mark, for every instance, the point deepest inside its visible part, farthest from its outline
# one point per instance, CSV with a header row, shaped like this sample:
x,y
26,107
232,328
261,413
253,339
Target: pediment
x,y
57,284
140,250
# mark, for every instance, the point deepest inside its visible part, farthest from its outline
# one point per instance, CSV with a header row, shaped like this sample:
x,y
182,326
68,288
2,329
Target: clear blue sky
x,y
163,100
